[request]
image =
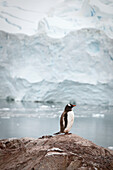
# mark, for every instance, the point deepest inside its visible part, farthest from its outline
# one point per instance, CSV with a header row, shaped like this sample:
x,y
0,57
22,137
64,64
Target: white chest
x,y
70,120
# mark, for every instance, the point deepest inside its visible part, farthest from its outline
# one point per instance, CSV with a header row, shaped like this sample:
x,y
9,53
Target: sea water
x,y
28,119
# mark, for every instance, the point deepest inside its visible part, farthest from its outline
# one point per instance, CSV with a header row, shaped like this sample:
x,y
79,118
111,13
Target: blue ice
x,y
94,47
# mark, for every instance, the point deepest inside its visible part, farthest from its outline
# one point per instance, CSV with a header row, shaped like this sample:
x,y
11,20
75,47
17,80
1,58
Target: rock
x,y
61,152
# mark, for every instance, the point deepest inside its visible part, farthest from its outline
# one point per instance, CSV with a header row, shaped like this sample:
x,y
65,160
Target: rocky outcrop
x,y
61,152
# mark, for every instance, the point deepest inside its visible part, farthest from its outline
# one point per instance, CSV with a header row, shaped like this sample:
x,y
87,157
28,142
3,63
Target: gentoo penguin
x,y
67,119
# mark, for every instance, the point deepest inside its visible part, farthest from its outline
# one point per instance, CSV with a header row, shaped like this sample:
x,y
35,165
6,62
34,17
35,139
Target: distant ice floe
x,y
98,115
4,109
110,147
5,117
46,111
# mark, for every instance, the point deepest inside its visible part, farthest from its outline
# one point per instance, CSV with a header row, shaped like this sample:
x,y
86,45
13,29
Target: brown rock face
x,y
61,152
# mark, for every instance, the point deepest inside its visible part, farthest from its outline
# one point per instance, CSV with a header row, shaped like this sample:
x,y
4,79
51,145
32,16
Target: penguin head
x,y
69,107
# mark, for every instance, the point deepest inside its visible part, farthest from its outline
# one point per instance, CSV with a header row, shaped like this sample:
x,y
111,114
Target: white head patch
x,y
69,105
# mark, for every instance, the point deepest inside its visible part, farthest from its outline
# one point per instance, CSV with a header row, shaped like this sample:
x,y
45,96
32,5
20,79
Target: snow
x,y
63,54
55,149
23,17
57,18
55,153
76,15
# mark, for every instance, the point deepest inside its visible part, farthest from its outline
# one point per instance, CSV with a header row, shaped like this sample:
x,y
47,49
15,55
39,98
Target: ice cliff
x,y
69,59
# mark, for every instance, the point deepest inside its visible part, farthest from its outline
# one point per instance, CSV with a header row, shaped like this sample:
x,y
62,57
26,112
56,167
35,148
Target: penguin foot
x,y
57,133
68,133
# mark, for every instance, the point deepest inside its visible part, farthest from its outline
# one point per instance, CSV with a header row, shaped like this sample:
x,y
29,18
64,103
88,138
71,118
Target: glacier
x,y
66,56
40,68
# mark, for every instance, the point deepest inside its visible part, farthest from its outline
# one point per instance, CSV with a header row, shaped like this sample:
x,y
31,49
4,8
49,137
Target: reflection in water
x,y
37,119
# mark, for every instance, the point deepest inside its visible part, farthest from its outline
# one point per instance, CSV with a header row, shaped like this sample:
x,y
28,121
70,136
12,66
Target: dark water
x,y
18,120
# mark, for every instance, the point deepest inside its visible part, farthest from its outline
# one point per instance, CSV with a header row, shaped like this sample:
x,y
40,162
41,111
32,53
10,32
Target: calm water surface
x,y
28,119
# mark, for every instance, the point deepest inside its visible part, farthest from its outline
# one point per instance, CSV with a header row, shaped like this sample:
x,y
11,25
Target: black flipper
x,y
66,119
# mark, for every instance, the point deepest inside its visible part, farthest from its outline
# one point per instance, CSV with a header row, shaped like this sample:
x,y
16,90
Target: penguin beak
x,y
74,105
